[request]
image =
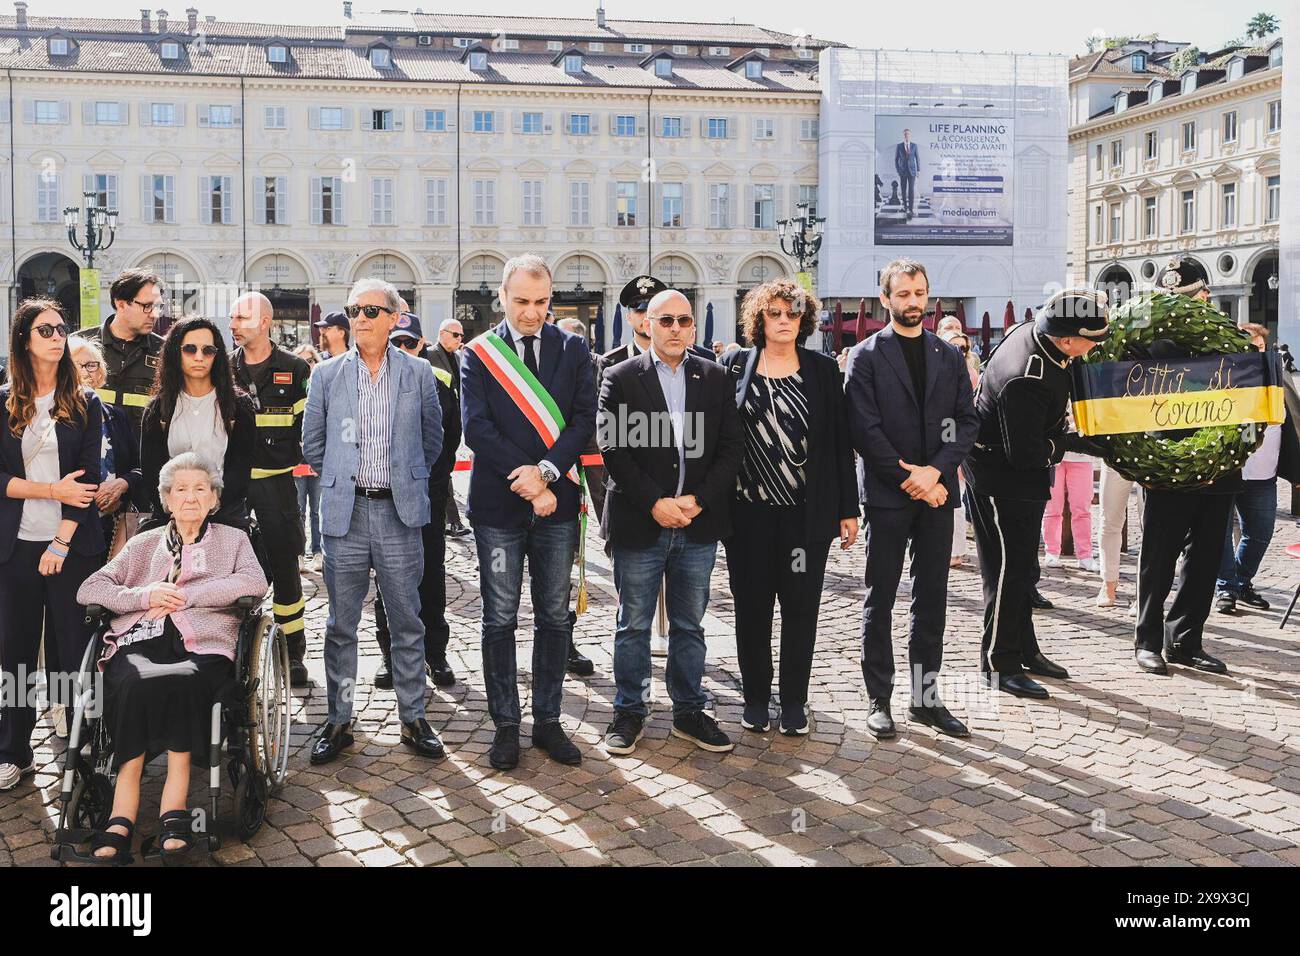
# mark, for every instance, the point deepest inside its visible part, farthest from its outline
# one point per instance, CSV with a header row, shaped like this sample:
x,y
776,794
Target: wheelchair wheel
x,y
251,798
268,702
91,802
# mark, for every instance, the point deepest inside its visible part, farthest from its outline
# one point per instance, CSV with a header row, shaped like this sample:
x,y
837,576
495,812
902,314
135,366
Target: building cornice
x,y
1182,103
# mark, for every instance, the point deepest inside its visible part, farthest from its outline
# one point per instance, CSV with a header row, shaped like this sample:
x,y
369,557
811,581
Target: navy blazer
x,y
502,439
126,458
79,448
885,416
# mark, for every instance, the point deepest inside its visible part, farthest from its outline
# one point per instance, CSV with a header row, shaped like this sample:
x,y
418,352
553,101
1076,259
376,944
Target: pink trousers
x,y
1077,477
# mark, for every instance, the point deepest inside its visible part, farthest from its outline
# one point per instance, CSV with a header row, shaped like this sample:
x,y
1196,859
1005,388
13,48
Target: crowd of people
x,y
134,468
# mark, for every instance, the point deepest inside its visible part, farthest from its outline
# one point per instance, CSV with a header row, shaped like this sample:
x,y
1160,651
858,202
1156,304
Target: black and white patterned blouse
x,y
773,470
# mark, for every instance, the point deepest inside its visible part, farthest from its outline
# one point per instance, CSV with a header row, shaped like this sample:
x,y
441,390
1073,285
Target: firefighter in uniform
x,y
276,381
129,344
1021,404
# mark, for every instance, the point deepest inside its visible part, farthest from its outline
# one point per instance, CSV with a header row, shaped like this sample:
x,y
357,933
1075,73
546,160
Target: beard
x,y
907,320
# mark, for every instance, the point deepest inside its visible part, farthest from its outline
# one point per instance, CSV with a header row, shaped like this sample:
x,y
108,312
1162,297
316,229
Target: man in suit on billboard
x,y
907,162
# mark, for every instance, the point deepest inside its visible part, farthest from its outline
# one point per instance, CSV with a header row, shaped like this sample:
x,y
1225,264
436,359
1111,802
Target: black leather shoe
x,y
298,674
1018,685
420,737
1252,598
333,738
504,754
1040,603
1226,603
1199,660
578,665
880,721
551,738
940,718
1040,666
1151,662
442,674
384,676
458,531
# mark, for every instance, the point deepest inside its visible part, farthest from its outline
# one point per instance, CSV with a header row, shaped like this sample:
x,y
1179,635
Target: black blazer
x,y
885,416
832,486
79,448
126,457
235,471
641,475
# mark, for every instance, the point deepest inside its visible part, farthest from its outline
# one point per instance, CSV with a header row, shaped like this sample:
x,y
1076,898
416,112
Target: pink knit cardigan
x,y
216,571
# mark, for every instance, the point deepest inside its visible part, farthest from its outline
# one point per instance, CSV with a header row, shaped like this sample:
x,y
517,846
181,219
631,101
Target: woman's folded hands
x,y
164,598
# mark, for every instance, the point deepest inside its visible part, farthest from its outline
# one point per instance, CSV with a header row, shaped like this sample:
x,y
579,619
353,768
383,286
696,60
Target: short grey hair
x,y
533,264
188,461
392,300
76,343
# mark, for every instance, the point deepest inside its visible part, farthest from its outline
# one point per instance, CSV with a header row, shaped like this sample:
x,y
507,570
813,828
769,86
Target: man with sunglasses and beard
x,y
129,343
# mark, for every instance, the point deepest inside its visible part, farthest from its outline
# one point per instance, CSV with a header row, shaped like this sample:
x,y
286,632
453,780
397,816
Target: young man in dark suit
x,y
912,419
672,443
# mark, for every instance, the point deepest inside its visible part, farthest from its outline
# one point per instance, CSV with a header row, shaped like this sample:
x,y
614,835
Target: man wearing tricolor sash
x,y
529,408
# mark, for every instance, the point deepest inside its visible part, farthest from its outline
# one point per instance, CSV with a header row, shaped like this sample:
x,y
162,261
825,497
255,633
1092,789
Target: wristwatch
x,y
549,474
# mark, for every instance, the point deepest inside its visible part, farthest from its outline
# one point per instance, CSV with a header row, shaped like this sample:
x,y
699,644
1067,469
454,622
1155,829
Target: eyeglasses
x,y
192,349
683,321
88,366
49,331
457,335
147,307
371,311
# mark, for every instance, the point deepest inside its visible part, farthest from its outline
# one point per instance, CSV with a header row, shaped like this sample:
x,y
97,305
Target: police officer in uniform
x,y
1021,405
276,381
129,344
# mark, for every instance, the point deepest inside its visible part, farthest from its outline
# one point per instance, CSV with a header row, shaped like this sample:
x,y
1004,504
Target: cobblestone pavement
x,y
1116,768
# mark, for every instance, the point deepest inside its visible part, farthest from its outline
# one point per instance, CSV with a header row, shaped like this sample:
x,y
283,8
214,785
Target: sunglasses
x,y
683,321
192,349
406,343
49,331
457,335
88,366
371,311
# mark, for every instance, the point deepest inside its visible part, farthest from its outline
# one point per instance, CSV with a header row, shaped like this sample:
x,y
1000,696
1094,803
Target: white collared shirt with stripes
x,y
375,426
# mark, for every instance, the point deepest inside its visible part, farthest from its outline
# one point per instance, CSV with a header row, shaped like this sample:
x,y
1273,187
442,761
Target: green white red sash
x,y
536,404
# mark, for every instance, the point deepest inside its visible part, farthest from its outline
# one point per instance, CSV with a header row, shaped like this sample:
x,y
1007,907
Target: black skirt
x,y
159,698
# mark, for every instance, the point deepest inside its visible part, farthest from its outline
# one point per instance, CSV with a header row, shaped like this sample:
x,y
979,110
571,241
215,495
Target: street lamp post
x,y
100,222
804,233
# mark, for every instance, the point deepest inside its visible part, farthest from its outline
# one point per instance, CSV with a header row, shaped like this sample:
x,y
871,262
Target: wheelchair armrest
x,y
247,602
97,614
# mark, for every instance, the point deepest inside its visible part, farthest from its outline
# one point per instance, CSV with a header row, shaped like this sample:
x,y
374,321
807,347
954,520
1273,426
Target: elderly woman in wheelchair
x,y
169,652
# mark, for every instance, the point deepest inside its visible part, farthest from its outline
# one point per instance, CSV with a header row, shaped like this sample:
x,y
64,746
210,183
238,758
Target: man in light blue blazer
x,y
372,431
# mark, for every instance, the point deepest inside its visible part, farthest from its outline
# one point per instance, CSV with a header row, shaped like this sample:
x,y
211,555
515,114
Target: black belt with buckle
x,y
374,492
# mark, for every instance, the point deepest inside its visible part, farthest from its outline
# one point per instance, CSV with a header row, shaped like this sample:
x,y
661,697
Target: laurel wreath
x,y
1153,459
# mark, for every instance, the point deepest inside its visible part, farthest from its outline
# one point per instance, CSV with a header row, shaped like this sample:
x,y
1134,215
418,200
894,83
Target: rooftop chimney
x,y
162,21
20,15
347,9
192,14
145,26
600,15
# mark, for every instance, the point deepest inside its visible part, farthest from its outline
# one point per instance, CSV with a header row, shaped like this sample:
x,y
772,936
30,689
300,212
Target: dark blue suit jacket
x,y
79,448
885,416
502,438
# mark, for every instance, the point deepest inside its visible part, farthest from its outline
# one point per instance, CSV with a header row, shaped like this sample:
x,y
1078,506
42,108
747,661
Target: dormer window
x,y
381,58
754,69
277,53
1236,69
1121,103
1139,62
478,61
1189,82
663,67
169,50
58,46
1275,56
1155,91
573,64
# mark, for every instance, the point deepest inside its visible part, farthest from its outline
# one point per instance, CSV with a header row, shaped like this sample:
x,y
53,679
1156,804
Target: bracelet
x,y
58,540
52,550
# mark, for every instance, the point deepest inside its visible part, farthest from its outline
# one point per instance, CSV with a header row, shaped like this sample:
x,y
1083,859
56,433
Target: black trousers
x,y
924,536
274,502
452,512
433,592
28,599
1171,522
770,558
1007,532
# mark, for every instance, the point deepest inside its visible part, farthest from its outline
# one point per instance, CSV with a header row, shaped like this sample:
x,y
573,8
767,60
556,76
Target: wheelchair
x,y
254,728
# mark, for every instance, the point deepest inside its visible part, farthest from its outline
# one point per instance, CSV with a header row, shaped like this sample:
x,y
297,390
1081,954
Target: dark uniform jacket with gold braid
x,y
129,368
1021,402
280,399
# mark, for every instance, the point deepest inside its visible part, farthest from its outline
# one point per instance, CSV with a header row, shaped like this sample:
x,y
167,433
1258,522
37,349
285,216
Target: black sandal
x,y
176,825
120,843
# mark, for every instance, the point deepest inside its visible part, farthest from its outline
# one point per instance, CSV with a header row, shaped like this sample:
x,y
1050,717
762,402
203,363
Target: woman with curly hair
x,y
795,492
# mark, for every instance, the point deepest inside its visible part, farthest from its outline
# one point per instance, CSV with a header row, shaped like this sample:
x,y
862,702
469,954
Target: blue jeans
x,y
1257,506
549,547
309,491
637,576
377,539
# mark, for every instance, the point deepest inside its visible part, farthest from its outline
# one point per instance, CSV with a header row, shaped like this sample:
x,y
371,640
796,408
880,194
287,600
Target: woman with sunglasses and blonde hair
x,y
196,407
50,541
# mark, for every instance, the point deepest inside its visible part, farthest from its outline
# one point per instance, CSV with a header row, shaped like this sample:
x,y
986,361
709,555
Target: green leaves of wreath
x,y
1152,458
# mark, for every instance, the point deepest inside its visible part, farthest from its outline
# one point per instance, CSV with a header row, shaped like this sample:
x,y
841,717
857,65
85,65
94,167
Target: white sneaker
x,y
1089,564
1051,560
59,717
11,773
1104,599
302,563
658,645
318,562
